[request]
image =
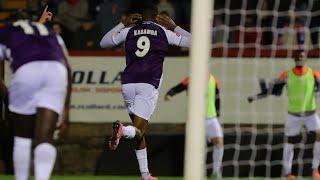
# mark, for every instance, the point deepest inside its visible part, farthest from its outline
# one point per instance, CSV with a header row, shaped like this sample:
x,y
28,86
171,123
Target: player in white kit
x,y
146,45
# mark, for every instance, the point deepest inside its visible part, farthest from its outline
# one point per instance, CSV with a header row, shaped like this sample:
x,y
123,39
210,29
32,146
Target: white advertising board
x,y
97,93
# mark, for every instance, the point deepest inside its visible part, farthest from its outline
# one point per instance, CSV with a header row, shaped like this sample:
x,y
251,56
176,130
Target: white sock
x,y
129,132
21,157
287,158
316,155
217,156
143,162
44,159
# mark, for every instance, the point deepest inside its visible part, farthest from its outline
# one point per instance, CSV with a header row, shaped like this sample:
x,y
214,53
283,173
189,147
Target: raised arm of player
x,y
46,16
175,34
168,23
182,86
118,34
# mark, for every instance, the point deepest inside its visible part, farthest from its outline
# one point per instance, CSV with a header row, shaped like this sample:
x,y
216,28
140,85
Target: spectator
x,y
110,12
71,14
266,22
57,27
94,7
33,5
2,4
315,24
218,30
182,13
166,6
296,15
87,37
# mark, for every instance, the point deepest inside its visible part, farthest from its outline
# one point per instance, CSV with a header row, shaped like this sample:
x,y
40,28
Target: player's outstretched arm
x,y
263,92
118,34
275,88
257,97
175,90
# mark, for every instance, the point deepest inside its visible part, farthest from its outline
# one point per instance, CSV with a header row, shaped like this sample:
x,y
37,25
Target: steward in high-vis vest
x,y
302,84
214,130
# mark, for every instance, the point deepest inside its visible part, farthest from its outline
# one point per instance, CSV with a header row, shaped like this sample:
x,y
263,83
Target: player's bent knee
x,y
218,141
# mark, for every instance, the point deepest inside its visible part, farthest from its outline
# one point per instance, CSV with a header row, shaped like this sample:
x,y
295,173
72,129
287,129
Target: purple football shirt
x,y
30,41
146,46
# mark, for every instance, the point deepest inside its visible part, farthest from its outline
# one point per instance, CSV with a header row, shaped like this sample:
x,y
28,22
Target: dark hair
x,y
150,11
147,9
135,7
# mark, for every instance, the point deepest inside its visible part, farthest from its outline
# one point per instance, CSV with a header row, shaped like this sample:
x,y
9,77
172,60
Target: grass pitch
x,y
130,178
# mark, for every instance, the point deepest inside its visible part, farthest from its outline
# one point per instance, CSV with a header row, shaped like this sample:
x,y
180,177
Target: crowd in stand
x,y
83,22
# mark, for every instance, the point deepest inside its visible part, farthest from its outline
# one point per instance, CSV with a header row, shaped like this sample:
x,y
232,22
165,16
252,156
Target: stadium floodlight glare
x,y
201,23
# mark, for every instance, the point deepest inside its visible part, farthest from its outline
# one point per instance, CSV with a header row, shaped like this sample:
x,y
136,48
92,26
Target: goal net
x,y
252,40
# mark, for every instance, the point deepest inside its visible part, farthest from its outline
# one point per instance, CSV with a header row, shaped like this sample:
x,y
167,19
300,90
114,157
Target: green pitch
x,y
125,178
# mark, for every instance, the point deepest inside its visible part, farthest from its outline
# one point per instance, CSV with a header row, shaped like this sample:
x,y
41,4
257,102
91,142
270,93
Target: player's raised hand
x,y
46,16
132,19
167,97
250,99
166,22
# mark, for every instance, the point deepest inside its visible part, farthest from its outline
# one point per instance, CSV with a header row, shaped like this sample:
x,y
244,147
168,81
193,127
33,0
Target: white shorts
x,y
213,129
294,123
140,99
38,84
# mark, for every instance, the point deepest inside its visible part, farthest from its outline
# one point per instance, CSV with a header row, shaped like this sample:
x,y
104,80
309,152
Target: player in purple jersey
x,y
146,45
39,92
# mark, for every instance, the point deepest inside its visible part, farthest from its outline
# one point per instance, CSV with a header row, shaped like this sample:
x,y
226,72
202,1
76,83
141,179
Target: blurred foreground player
x,y
302,83
146,45
214,130
38,93
6,132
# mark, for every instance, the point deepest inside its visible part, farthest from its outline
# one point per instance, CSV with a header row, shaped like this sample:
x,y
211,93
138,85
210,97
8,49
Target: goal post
x,y
200,52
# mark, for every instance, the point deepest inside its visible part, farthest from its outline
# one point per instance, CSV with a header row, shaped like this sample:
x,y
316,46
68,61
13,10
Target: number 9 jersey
x,y
146,47
30,41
